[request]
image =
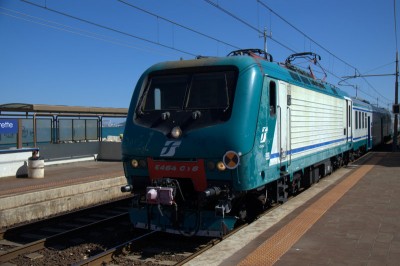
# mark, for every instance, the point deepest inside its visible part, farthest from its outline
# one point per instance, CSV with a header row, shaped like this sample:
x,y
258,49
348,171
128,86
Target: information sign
x,y
8,126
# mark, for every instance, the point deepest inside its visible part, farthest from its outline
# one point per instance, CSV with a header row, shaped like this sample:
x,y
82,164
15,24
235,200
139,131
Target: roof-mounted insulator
x,y
204,56
253,53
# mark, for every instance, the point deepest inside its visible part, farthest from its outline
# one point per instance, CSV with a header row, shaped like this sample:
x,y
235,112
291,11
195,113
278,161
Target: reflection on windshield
x,y
166,93
189,91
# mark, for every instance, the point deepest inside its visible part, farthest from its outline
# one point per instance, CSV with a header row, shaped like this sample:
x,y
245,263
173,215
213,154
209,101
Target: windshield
x,y
191,91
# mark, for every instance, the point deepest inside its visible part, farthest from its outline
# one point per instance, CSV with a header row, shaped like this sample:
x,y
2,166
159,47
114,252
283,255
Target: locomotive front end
x,y
180,148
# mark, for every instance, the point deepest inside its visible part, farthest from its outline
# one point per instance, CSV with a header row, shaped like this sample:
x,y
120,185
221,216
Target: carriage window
x,y
356,119
359,119
272,98
363,117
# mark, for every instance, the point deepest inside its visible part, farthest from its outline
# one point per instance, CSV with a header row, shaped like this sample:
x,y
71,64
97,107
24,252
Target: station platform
x,y
65,187
349,218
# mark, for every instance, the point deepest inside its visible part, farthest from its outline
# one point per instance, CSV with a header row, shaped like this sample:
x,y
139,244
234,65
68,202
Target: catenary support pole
x,y
396,102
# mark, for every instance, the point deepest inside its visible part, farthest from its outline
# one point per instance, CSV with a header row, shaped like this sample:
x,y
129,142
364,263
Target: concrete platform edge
x,y
29,206
227,247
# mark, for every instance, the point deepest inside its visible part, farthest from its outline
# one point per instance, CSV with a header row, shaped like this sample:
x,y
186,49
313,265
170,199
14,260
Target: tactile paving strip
x,y
277,245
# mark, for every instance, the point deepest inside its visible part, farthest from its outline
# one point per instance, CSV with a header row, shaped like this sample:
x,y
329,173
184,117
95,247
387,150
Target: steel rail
x,y
40,244
107,255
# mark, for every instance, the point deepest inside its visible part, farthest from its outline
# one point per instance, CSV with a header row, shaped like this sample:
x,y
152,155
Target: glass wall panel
x,y
65,129
27,132
79,129
43,130
8,139
91,129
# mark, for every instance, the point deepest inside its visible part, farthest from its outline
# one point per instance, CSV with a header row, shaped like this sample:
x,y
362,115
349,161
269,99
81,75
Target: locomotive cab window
x,y
157,99
193,97
191,91
165,93
209,90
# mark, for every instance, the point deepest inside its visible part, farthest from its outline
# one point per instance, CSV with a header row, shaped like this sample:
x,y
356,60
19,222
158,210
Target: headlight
x,y
142,163
176,132
210,165
221,166
134,163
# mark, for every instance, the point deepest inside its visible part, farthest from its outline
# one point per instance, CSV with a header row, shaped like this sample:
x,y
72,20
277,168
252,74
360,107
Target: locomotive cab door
x,y
283,122
348,128
369,142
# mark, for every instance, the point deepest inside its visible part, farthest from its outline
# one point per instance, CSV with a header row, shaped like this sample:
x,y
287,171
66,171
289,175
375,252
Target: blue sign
x,y
8,126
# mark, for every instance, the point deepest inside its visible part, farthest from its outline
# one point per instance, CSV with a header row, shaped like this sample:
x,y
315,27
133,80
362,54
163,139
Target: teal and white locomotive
x,y
210,142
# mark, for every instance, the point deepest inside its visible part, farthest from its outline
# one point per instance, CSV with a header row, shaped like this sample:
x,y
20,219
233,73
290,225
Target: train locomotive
x,y
210,142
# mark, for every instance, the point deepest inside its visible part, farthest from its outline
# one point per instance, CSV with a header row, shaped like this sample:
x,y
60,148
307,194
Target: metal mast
x,y
396,102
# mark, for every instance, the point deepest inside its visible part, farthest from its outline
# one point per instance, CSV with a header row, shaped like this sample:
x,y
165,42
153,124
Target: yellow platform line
x,y
277,245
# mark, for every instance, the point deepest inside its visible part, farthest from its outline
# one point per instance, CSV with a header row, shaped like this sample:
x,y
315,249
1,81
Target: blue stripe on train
x,y
301,149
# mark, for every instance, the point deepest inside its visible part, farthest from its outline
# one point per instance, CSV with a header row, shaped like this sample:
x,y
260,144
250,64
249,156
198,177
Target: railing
x,y
50,130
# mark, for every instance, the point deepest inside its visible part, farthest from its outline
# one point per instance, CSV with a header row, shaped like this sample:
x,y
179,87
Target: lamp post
x,y
396,102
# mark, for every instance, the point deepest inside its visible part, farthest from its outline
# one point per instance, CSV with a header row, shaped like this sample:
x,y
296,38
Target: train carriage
x,y
209,143
362,122
382,126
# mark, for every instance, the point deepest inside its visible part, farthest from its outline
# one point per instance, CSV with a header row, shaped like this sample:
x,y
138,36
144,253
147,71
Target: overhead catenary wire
x,y
109,28
304,34
135,36
62,27
248,24
178,24
322,47
185,27
379,67
255,29
260,32
376,91
141,38
198,32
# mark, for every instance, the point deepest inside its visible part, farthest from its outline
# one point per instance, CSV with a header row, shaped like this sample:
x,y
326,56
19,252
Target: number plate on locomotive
x,y
171,169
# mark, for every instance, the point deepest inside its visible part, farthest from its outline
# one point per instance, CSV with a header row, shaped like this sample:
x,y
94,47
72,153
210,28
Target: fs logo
x,y
170,148
264,134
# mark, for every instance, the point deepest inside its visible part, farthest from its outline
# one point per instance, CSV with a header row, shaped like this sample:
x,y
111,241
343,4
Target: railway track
x,y
24,244
105,237
152,248
155,248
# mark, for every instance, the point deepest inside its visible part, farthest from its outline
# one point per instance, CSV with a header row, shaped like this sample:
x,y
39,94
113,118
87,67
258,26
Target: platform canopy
x,y
63,110
55,123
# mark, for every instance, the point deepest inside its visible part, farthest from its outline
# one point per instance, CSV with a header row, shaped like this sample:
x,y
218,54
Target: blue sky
x,y
54,56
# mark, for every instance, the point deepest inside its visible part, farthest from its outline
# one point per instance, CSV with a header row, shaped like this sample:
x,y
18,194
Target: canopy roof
x,y
62,109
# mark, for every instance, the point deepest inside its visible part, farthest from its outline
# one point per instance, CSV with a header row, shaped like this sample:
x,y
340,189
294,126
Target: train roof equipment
x,y
309,56
258,53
